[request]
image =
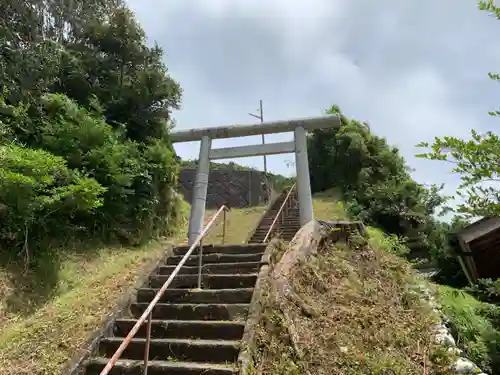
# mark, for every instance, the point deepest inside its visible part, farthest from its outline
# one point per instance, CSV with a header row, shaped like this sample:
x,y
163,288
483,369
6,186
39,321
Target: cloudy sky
x,y
413,69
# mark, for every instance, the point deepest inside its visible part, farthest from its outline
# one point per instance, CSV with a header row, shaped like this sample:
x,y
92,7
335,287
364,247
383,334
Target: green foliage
x,y
487,290
476,161
40,194
374,180
475,326
84,120
390,243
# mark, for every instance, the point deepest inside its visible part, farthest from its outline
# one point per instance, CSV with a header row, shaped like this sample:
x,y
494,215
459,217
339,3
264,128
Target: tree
x,y
83,97
373,178
475,160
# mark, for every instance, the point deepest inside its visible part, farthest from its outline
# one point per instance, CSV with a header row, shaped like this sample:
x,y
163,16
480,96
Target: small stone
x,y
439,328
444,339
464,366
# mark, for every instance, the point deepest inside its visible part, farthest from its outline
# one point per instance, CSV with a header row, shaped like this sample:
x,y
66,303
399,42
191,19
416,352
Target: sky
x,y
413,69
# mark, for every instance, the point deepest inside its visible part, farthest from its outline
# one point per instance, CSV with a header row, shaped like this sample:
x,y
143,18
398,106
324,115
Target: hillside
x,y
65,300
352,313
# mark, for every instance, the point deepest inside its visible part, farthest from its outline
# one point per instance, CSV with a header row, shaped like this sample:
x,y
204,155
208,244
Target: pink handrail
x,y
148,312
279,212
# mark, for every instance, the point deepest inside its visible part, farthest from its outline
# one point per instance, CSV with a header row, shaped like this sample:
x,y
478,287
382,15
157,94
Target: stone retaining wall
x,y
234,188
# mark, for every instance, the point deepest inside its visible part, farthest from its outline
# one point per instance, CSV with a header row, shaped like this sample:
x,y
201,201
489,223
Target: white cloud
x,y
412,69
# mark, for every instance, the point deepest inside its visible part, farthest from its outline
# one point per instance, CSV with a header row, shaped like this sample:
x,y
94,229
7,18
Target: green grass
x,y
327,207
239,223
475,326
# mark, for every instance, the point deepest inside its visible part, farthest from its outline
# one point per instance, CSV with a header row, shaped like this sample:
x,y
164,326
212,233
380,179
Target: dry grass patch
x,y
356,317
44,341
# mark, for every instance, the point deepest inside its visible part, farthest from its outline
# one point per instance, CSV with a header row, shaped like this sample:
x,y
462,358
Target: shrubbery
x,y
84,119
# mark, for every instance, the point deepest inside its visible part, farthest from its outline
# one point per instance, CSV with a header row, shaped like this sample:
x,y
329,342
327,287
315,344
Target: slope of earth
x,y
47,315
354,313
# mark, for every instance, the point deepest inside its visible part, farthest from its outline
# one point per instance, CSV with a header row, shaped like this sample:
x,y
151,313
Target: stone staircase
x,y
193,331
286,228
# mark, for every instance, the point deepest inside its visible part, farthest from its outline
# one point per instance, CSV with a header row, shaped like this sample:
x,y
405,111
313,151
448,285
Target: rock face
x,y
236,188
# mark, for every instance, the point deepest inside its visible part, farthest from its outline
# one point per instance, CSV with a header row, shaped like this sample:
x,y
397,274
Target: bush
x,y
40,195
475,326
133,180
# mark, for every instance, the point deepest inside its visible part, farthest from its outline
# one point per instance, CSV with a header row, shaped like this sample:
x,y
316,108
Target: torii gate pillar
x,y
303,179
299,146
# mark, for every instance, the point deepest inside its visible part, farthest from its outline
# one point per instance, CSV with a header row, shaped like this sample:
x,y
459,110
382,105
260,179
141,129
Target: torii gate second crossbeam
x,y
298,145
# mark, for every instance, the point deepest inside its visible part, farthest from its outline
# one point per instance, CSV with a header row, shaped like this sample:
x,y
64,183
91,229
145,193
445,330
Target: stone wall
x,y
235,188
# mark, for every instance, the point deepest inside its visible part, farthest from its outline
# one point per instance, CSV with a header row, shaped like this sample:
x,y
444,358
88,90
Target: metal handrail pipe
x,y
279,212
152,304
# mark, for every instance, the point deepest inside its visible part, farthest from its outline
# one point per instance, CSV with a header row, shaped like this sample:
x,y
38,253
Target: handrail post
x,y
224,228
148,344
200,263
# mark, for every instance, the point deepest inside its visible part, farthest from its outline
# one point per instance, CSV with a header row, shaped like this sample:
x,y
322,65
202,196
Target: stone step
x,y
209,351
183,329
214,268
285,229
215,258
130,367
260,238
209,281
189,311
242,295
223,249
270,220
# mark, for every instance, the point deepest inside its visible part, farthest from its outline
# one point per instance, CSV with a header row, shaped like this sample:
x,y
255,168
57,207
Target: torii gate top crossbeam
x,y
232,131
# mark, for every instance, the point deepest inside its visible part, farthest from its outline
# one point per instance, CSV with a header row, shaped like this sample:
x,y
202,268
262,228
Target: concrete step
x,y
270,220
242,295
223,249
214,268
131,367
189,311
285,229
183,329
215,258
209,281
260,238
208,351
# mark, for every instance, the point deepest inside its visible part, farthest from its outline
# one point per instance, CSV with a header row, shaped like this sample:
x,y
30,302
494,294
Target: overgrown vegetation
x,y
87,172
84,117
475,325
374,181
362,318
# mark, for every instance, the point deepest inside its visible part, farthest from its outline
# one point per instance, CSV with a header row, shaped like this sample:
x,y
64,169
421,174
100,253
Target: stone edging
x,y
441,334
254,314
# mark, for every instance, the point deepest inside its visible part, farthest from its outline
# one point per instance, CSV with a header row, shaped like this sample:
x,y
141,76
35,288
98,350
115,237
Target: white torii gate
x,y
298,145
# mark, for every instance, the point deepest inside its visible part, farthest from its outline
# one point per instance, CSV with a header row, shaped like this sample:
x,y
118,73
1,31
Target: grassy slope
x,y
38,335
475,325
364,320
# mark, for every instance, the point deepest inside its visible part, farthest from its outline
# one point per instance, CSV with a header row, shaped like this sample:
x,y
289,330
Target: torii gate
x,y
298,145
